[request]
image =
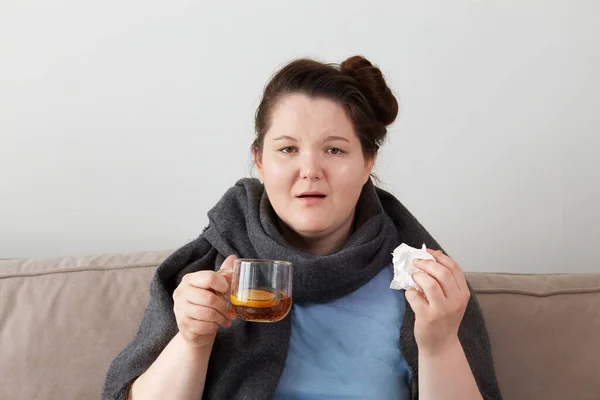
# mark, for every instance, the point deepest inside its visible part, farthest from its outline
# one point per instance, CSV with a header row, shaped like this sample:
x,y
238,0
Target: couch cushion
x,y
545,332
62,321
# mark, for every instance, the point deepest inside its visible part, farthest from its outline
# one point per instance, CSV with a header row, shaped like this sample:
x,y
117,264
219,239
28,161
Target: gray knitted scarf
x,y
248,358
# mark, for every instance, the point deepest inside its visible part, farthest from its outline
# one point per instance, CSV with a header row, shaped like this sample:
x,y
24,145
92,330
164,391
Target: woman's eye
x,y
287,150
335,151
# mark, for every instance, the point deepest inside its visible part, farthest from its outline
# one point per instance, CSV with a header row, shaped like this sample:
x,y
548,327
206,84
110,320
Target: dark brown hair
x,y
356,84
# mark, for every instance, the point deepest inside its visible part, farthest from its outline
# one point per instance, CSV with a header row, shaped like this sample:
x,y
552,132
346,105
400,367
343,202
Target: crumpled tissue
x,y
403,257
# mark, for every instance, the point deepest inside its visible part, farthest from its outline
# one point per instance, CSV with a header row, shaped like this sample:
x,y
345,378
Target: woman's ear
x,y
257,155
369,163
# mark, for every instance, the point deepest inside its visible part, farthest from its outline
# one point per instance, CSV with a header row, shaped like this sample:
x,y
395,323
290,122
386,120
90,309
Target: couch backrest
x,y
62,321
545,333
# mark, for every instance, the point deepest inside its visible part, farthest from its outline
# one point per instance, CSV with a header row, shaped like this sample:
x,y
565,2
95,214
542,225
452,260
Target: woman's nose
x,y
311,169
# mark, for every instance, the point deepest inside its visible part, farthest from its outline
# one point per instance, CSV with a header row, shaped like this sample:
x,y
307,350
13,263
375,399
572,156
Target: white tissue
x,y
403,257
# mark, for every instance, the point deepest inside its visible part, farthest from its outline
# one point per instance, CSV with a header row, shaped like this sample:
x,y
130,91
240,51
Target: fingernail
x,y
417,261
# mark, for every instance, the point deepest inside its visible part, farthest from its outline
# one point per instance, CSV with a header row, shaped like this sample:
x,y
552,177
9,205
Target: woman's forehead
x,y
300,116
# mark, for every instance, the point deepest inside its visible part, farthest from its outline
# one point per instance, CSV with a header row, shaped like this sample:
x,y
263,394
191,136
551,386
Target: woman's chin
x,y
312,229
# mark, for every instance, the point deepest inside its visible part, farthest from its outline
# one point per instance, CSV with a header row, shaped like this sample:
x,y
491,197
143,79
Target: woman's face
x,y
312,165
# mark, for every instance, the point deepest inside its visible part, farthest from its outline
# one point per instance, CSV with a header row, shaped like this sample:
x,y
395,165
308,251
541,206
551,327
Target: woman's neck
x,y
319,245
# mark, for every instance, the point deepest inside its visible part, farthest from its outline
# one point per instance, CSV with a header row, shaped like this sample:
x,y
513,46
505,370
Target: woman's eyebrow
x,y
334,138
286,137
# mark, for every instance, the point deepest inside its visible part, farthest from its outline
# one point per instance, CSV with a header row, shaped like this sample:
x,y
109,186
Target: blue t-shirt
x,y
348,348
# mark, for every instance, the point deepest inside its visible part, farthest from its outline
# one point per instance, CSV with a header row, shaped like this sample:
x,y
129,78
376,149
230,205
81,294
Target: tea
x,y
261,305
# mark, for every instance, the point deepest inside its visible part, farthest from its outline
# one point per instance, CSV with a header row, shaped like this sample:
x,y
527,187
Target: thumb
x,y
226,268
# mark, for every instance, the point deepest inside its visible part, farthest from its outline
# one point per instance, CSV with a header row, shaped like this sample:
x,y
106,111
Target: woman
x,y
318,129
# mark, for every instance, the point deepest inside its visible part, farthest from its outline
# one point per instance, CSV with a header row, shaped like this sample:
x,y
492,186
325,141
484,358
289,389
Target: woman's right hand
x,y
200,308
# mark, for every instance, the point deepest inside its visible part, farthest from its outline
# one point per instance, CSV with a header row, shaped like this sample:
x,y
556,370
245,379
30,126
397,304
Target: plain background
x,y
123,121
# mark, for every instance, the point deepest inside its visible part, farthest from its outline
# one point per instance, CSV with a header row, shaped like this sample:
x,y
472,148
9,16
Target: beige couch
x,y
63,320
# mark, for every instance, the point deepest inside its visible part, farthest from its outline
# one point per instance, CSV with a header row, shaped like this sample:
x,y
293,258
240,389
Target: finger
x,y
441,274
417,301
431,288
207,280
206,298
452,265
205,314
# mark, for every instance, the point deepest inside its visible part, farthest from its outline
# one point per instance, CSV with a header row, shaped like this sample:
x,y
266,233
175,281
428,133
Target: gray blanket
x,y
248,358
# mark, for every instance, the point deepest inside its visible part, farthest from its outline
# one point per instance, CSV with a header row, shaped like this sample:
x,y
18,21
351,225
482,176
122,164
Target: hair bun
x,y
373,86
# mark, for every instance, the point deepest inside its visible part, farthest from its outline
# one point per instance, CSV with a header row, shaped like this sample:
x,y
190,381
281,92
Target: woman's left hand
x,y
440,308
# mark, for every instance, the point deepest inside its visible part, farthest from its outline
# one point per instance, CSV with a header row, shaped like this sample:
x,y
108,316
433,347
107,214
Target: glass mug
x,y
261,290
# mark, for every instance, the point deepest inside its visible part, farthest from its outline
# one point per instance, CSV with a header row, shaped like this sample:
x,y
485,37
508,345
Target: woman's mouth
x,y
311,197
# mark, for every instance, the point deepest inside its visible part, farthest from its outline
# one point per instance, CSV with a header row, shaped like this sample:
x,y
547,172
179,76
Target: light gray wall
x,y
123,122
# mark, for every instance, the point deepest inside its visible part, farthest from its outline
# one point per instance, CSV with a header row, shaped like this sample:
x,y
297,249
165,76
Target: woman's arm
x,y
444,371
447,375
178,373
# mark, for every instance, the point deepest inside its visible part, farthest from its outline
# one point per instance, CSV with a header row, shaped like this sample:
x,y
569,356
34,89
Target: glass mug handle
x,y
225,297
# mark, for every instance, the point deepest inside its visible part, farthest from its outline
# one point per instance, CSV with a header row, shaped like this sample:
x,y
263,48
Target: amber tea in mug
x,y
261,290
